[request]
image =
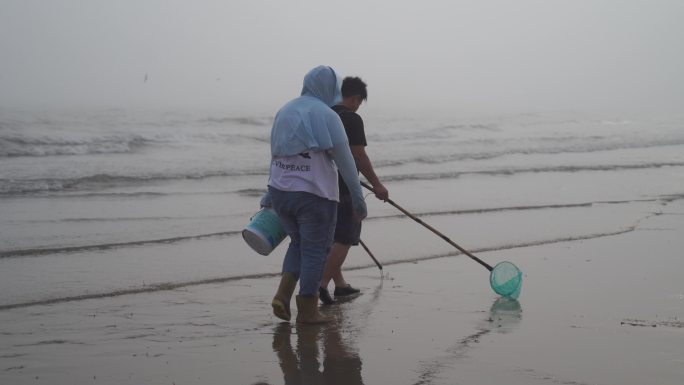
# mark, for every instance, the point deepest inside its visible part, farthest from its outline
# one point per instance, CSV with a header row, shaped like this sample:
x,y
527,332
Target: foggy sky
x,y
250,56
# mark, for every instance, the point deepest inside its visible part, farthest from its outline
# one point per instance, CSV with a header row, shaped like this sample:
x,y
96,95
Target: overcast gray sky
x,y
251,55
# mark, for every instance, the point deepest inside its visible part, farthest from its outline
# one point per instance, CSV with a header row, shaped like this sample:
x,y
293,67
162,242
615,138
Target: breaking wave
x,y
524,170
101,181
565,146
246,121
22,145
108,246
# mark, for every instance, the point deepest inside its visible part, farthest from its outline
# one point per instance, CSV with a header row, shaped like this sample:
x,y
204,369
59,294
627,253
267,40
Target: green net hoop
x,y
506,280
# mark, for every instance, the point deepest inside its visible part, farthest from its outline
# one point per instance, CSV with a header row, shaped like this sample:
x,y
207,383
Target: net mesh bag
x,y
506,280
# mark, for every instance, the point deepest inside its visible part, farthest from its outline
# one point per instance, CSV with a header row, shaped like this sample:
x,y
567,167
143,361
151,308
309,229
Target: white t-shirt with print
x,y
313,172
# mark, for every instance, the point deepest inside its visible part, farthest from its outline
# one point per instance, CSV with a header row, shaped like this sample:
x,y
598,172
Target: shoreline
x,y
592,311
166,286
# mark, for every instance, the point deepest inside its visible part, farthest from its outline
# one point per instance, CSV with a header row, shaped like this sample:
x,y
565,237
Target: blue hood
x,y
323,83
307,123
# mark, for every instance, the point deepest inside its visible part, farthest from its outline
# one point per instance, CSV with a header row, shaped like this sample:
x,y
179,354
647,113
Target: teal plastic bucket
x,y
264,232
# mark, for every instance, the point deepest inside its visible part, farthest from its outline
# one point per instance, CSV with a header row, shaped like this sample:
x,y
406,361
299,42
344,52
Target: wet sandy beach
x,y
603,310
135,145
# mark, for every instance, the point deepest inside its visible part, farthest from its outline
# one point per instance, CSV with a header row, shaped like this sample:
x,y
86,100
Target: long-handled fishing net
x,y
505,278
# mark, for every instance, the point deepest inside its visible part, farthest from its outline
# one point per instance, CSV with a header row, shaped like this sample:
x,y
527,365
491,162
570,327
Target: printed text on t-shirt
x,y
292,167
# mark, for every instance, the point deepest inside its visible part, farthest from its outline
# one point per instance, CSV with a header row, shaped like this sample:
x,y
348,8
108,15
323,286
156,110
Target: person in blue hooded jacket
x,y
308,148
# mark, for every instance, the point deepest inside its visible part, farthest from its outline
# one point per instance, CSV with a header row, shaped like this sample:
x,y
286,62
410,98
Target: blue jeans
x,y
309,220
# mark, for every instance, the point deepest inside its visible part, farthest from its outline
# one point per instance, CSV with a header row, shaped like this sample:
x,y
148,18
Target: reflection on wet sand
x,y
302,364
340,363
504,315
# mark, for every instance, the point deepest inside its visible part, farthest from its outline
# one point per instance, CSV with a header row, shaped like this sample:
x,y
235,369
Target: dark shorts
x,y
348,227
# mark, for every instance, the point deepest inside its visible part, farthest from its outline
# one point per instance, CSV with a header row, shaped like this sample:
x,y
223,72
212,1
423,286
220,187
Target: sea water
x,y
108,202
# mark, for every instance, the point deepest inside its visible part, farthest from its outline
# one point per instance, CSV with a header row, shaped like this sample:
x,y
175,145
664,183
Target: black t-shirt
x,y
353,125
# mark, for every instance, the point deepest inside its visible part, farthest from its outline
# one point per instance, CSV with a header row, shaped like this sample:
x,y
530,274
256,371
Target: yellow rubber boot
x,y
307,308
281,301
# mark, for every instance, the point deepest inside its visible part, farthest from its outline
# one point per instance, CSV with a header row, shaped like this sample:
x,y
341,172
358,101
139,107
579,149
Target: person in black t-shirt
x,y
348,227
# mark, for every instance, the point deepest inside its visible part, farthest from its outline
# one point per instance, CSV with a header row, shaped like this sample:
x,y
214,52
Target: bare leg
x,y
333,265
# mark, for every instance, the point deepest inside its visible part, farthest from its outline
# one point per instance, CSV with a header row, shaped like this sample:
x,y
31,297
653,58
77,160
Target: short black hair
x,y
352,86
